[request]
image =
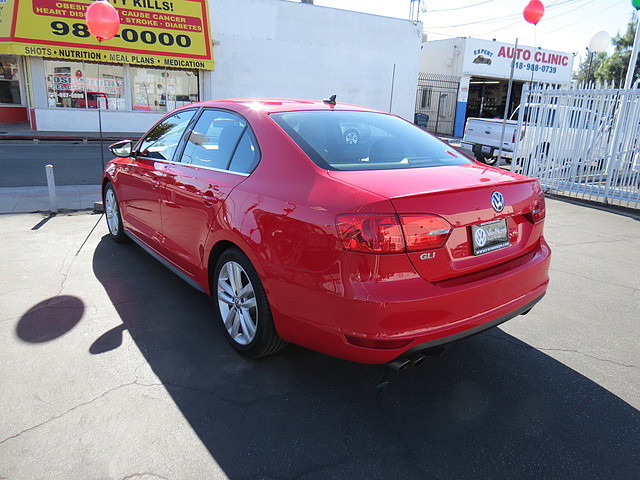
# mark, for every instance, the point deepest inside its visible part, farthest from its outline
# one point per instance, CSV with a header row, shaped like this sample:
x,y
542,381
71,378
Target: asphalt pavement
x,y
111,368
77,164
24,165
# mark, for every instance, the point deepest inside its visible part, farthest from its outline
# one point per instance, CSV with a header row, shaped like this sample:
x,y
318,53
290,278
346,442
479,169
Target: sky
x,y
567,25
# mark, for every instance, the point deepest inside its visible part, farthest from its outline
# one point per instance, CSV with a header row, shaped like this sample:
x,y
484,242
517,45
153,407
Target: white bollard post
x,y
51,183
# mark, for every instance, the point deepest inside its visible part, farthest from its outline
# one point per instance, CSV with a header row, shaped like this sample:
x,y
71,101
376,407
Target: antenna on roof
x,y
331,100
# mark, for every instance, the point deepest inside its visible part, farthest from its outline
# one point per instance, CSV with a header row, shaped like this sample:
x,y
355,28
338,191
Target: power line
x,y
514,15
584,18
460,8
491,20
570,11
500,29
557,4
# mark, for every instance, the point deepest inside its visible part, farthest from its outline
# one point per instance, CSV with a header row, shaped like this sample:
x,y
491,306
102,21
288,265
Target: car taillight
x,y
370,233
424,232
513,138
539,211
388,233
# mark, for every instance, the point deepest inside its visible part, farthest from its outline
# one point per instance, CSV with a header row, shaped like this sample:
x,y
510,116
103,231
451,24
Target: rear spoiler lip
x,y
466,188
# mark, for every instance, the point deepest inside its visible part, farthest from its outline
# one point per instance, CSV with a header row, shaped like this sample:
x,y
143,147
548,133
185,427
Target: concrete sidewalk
x,y
36,199
21,131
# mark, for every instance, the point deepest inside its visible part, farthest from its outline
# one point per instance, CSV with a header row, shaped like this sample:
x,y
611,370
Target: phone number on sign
x,y
128,35
534,67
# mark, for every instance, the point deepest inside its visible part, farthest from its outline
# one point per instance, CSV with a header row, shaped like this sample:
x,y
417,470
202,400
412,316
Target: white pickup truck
x,y
561,132
482,137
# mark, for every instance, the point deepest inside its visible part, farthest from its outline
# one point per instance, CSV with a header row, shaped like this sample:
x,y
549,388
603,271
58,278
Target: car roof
x,y
273,105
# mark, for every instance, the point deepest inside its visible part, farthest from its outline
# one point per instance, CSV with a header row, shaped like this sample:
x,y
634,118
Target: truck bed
x,y
482,136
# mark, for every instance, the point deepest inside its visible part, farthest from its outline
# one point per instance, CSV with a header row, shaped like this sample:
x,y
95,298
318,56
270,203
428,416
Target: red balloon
x,y
534,11
103,20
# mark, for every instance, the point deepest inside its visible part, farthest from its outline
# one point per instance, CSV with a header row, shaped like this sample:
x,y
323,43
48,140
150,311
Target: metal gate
x,y
437,98
581,142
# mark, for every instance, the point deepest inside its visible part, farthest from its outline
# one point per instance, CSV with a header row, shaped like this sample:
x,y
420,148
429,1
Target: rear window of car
x,y
346,140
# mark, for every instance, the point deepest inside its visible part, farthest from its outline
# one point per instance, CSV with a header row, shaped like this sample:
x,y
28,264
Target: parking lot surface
x,y
111,368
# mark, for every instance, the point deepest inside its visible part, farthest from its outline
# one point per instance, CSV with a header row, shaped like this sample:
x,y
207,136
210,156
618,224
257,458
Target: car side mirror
x,y
123,148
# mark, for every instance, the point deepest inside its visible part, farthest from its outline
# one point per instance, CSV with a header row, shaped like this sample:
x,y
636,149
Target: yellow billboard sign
x,y
159,33
6,16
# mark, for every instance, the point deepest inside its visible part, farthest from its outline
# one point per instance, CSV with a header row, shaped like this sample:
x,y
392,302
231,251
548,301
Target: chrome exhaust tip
x,y
417,359
399,364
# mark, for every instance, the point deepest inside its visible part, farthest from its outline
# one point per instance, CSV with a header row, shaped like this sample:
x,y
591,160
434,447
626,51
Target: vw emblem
x,y
481,237
497,201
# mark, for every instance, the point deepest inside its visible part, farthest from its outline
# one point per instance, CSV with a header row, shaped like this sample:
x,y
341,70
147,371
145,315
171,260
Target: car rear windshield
x,y
346,140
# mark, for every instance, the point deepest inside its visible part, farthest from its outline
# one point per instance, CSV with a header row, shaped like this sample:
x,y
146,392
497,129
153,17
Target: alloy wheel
x,y
237,303
351,138
111,210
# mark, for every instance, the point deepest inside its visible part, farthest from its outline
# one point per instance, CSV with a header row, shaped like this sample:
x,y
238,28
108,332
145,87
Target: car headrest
x,y
228,138
386,150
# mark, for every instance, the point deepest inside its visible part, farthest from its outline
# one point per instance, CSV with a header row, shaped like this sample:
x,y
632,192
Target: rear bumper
x,y
470,146
473,331
412,309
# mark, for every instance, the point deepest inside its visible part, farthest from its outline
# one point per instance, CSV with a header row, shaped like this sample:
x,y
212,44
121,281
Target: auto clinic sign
x,y
161,33
493,59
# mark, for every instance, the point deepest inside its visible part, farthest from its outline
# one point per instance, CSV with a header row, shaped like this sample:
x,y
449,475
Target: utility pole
x,y
634,56
414,10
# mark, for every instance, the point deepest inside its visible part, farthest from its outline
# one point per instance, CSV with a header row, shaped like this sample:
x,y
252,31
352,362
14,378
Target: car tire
x,y
351,136
481,157
242,307
113,216
491,160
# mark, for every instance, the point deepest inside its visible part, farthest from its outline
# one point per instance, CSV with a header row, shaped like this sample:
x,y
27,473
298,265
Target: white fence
x,y
581,142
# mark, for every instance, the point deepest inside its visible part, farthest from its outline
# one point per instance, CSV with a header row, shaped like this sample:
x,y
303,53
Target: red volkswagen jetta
x,y
342,229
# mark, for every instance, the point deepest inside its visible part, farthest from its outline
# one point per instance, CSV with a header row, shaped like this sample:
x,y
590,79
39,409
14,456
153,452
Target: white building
x,y
467,77
55,75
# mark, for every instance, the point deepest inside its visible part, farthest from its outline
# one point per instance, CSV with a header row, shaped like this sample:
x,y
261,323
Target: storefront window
x,y
163,90
9,84
84,85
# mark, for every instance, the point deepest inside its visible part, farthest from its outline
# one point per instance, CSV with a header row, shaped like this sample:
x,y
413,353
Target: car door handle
x,y
209,198
487,132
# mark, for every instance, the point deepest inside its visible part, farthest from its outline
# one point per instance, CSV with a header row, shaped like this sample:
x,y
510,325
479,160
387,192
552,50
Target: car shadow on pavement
x,y
491,407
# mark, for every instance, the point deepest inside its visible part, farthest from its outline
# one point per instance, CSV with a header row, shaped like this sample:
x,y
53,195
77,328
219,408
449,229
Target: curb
x,y
36,199
66,138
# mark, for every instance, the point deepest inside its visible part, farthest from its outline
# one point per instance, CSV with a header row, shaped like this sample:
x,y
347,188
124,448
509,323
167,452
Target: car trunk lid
x,y
462,195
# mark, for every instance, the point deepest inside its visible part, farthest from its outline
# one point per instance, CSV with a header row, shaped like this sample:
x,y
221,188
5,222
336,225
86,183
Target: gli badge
x,y
428,256
497,201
